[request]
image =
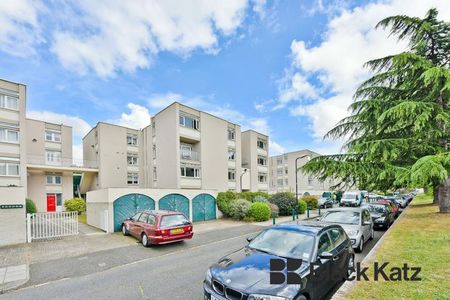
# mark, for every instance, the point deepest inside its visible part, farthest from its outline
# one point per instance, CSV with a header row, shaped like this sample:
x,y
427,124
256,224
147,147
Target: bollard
x,y
319,210
293,214
307,212
273,218
296,212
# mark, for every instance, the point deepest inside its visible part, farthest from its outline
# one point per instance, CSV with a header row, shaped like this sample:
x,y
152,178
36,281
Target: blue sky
x,y
286,68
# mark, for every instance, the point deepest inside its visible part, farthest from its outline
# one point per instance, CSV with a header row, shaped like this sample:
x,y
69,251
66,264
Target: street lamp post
x,y
240,178
296,174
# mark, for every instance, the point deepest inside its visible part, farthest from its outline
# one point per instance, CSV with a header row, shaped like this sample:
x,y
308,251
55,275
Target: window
x,y
136,217
285,171
133,179
53,136
9,169
325,244
262,144
279,161
262,177
9,135
154,174
280,182
231,154
151,220
186,151
280,171
193,172
231,174
153,129
262,160
132,140
231,134
53,157
337,236
54,179
9,102
143,218
154,151
286,181
310,180
132,159
58,199
189,122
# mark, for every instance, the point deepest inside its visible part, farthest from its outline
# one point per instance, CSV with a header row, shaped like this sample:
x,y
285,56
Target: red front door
x,y
51,202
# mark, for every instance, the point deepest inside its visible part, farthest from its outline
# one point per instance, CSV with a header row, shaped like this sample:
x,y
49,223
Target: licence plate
x,y
176,231
213,298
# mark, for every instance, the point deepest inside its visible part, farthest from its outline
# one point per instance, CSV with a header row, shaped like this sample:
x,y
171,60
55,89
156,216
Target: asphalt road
x,y
169,272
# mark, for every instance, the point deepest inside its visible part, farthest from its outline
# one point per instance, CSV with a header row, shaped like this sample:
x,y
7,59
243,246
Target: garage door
x,y
127,205
203,208
175,202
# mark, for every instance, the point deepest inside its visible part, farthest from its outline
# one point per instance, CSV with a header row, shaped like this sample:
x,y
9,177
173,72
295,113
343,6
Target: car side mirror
x,y
326,255
249,239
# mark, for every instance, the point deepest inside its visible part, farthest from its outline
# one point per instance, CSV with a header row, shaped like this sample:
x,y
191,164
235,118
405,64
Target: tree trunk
x,y
444,197
436,194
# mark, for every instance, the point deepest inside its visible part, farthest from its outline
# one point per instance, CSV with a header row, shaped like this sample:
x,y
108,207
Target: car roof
x,y
163,212
346,209
309,228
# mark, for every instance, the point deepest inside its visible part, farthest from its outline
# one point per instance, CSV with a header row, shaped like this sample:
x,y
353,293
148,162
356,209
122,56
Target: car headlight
x,y
353,232
208,277
380,219
264,297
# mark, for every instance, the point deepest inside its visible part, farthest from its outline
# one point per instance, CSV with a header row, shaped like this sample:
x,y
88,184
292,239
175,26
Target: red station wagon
x,y
155,227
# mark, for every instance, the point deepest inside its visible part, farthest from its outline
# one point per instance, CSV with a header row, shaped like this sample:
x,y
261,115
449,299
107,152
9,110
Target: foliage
x,y
302,205
224,200
75,204
259,211
260,199
285,202
239,209
311,201
274,209
30,206
398,130
251,196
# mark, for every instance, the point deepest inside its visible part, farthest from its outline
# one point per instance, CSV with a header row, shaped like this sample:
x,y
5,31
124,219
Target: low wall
x,y
12,220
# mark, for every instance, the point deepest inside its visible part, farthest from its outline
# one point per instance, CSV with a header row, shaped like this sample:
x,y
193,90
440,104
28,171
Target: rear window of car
x,y
173,220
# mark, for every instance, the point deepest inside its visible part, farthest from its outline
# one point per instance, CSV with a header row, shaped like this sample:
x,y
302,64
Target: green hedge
x,y
259,211
302,206
75,204
30,206
311,201
224,200
252,196
285,202
239,209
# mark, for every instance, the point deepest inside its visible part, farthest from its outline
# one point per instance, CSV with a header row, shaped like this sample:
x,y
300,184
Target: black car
x,y
382,215
325,202
245,273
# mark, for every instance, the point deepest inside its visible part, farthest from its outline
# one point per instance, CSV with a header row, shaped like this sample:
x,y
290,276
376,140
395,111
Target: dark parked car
x,y
158,227
245,273
325,202
382,215
395,207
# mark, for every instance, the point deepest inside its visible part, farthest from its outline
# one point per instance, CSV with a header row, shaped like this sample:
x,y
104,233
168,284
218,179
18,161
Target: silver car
x,y
356,222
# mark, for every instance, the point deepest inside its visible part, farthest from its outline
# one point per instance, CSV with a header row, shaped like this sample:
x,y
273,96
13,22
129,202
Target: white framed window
x,y
262,177
188,171
280,182
132,140
286,171
9,169
279,161
53,157
132,159
10,135
189,122
54,179
262,144
231,154
231,174
280,172
231,134
262,160
52,136
9,102
132,178
186,151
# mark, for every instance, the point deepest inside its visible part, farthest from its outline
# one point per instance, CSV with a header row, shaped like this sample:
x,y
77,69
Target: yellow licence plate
x,y
175,231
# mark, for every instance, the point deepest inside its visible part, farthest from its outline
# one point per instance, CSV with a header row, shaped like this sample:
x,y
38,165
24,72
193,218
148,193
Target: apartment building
x,y
282,174
255,156
183,148
13,173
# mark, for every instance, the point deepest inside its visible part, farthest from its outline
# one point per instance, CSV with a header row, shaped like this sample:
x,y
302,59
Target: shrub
x,y
259,198
274,209
30,206
224,200
75,204
261,194
239,209
302,206
285,202
246,195
311,201
259,211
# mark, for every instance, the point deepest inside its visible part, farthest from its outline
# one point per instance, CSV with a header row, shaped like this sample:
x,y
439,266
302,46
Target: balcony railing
x,y
190,155
64,162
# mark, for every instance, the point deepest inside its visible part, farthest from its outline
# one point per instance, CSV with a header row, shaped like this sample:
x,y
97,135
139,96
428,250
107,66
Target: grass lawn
x,y
82,218
421,238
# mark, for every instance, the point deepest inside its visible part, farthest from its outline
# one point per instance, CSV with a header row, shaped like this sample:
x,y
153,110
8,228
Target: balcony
x,y
70,164
192,156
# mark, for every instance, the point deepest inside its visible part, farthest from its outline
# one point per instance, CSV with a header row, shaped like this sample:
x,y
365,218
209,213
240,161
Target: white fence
x,y
41,226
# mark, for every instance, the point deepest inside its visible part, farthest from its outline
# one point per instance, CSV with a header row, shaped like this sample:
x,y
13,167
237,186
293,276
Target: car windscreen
x,y
343,217
349,196
377,208
284,243
173,220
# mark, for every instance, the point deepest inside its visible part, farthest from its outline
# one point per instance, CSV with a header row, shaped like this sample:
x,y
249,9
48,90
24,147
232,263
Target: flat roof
x,y
36,120
255,132
12,81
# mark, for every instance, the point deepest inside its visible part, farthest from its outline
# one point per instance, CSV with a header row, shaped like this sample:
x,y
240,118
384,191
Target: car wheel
x,y
361,245
388,224
144,240
372,234
124,229
301,297
351,266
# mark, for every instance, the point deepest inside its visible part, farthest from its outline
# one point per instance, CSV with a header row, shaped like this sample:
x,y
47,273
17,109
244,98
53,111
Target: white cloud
x,y
275,148
259,7
335,66
138,118
79,126
124,35
19,27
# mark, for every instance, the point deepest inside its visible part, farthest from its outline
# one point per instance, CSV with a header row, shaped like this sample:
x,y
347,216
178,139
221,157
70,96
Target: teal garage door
x,y
203,208
175,202
128,205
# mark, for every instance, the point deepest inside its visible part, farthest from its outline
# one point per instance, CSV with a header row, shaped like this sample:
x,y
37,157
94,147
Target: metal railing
x,y
63,162
41,226
191,156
